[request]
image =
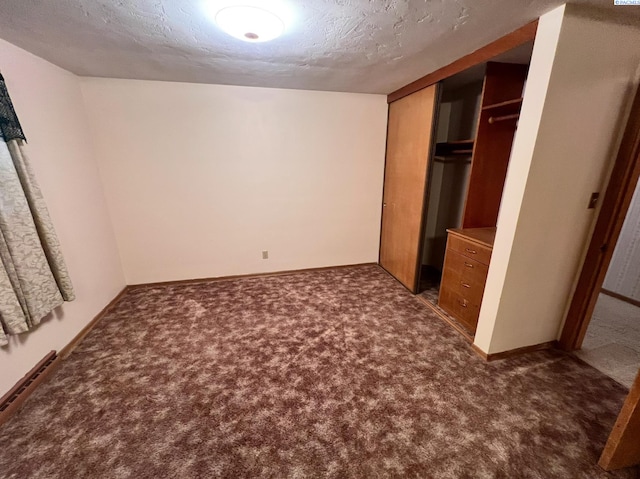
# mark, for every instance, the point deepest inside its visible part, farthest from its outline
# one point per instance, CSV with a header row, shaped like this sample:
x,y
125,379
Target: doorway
x,y
449,173
617,200
612,341
622,448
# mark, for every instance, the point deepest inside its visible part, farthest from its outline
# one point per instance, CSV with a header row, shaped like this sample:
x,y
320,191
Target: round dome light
x,y
248,23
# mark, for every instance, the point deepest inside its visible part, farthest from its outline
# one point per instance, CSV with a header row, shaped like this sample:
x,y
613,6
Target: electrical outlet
x,y
265,255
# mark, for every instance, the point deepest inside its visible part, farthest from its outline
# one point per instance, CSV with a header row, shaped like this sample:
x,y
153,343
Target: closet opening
x,y
449,170
611,343
448,149
473,131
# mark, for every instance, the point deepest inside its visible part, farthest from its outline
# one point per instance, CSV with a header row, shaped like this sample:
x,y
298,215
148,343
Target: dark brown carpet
x,y
340,373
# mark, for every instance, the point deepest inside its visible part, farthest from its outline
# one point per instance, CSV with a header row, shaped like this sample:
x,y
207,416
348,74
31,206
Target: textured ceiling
x,y
369,46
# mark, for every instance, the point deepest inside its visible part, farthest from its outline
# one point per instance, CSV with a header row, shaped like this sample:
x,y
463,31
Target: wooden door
x,y
409,145
623,446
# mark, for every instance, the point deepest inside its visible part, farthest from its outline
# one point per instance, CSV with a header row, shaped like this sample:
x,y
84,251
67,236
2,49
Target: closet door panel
x,y
409,145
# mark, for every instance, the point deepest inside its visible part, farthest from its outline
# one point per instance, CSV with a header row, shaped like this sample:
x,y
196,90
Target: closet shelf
x,y
462,152
452,159
515,102
452,148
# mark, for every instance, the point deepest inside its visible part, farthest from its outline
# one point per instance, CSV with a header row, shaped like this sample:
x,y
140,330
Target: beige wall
x,y
200,179
578,92
49,103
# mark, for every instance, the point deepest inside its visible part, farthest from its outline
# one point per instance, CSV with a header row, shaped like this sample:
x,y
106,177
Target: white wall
x,y
623,275
49,104
578,92
200,179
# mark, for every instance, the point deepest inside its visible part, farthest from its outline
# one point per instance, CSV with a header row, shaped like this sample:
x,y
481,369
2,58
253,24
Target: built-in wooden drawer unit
x,y
469,249
465,273
464,276
459,307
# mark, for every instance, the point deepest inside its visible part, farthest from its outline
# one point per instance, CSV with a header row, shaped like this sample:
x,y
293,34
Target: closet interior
x,y
448,174
473,130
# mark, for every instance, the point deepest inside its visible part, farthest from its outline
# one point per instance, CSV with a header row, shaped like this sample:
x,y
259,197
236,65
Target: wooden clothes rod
x,y
494,119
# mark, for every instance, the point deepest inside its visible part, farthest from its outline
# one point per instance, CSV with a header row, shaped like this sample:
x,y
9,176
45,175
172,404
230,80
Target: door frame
x,y
427,187
615,204
622,448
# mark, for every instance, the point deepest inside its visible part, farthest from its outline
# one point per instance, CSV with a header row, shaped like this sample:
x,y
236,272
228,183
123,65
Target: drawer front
x,y
465,276
459,307
462,287
475,251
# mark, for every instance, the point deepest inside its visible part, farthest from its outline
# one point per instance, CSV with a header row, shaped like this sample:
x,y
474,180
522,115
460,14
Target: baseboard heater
x,y
19,393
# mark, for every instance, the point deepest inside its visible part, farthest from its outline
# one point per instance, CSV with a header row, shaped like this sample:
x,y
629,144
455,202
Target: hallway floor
x,y
612,342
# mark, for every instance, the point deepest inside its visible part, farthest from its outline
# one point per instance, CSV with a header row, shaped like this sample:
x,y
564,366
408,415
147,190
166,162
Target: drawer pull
x,y
463,303
472,251
468,265
465,285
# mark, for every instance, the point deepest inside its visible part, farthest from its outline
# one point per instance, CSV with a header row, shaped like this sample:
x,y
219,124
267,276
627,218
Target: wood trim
x,y
384,179
515,352
448,320
68,349
623,448
244,276
479,352
621,297
427,187
31,385
514,39
615,204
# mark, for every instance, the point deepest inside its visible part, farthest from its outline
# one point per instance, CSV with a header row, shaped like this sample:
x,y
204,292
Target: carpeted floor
x,y
340,373
612,342
430,284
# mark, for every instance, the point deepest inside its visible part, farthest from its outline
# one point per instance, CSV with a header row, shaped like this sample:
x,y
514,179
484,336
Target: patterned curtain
x,y
33,277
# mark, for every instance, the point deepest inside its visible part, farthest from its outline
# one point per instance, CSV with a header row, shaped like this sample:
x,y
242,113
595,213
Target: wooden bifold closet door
x,y
409,144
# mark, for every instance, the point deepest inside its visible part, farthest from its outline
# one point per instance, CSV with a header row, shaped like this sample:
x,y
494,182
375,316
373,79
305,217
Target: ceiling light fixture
x,y
249,23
